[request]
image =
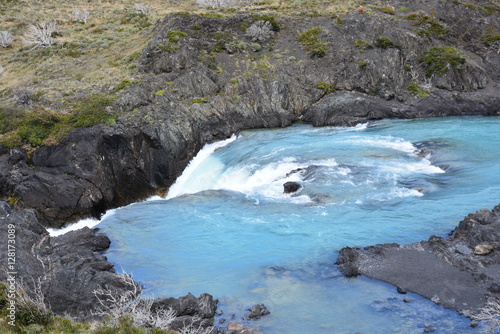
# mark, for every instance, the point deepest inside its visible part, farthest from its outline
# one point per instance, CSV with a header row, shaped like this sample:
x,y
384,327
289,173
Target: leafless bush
x,y
81,15
40,34
32,304
260,31
216,3
5,38
490,315
144,9
128,304
192,328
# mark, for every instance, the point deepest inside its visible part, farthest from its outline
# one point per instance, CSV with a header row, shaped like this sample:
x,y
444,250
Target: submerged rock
x,y
257,311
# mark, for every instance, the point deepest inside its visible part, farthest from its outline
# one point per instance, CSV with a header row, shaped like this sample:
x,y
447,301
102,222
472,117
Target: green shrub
x,y
175,35
199,100
384,43
325,87
124,84
271,19
362,45
439,59
362,64
491,35
235,46
36,126
309,38
430,26
92,110
416,90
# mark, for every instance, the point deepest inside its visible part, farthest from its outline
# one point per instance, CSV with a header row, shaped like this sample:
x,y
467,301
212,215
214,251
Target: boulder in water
x,y
258,311
291,187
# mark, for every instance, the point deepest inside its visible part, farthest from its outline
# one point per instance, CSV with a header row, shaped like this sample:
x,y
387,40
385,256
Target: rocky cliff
x,y
206,77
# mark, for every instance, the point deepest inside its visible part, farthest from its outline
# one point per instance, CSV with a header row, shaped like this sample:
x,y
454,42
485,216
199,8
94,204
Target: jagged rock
x,y
201,307
257,311
291,187
401,290
69,267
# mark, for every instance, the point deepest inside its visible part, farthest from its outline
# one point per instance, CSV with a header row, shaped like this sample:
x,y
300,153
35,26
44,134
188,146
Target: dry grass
x,y
100,54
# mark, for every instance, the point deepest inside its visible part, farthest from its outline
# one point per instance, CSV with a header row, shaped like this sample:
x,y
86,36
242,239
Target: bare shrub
x,y
40,34
216,3
144,9
81,15
31,306
260,31
5,38
490,315
117,305
193,328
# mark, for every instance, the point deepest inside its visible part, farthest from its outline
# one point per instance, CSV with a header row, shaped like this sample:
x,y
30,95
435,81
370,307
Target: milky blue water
x,y
226,227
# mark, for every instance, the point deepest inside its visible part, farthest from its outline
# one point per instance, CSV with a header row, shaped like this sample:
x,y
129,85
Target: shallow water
x,y
226,227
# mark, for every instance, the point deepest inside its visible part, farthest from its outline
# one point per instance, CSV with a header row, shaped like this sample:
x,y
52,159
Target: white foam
x,y
397,144
422,166
88,222
187,183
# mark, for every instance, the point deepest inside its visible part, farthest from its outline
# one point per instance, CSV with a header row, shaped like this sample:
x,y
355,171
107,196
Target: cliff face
x,y
205,78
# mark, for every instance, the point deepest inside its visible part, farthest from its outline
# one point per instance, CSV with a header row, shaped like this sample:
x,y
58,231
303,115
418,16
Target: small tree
x,y
81,15
5,38
40,34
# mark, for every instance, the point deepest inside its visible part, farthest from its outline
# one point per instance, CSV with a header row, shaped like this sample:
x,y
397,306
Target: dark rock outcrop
x,y
438,269
257,311
291,187
66,269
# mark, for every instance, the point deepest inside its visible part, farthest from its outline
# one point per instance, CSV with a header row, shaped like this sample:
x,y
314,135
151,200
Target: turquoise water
x,y
226,227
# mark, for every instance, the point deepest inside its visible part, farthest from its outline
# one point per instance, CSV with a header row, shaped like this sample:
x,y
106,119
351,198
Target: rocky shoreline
x,y
459,273
189,96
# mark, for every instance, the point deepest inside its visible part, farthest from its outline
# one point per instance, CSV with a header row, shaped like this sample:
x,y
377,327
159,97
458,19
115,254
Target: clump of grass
x,y
175,35
92,109
362,45
428,24
362,64
439,59
199,100
42,127
491,35
384,43
416,90
326,87
310,39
